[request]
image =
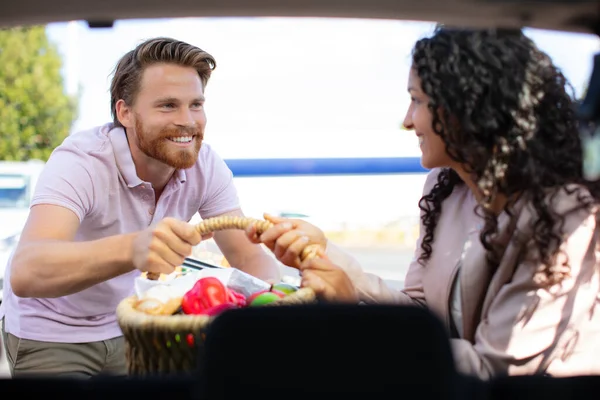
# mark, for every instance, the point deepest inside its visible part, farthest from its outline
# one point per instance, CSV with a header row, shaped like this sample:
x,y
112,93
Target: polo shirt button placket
x,y
147,198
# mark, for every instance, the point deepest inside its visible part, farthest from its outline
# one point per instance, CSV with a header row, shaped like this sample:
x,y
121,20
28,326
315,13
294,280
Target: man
x,y
112,202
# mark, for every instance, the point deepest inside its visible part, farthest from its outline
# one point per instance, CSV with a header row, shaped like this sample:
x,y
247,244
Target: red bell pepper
x,y
236,298
206,293
218,309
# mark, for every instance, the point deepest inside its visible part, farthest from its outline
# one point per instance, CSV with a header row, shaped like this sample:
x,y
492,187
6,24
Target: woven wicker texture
x,y
229,222
161,344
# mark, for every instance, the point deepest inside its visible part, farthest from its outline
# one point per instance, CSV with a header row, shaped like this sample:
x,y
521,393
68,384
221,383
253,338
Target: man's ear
x,y
124,114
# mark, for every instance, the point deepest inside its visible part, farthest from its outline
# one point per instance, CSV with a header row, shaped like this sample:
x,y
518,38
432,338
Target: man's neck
x,y
151,170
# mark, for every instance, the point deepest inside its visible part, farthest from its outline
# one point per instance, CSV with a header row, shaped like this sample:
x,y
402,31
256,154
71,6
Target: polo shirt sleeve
x,y
220,195
66,181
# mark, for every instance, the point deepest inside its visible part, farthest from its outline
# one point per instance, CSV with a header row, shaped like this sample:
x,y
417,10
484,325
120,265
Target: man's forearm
x,y
261,265
57,268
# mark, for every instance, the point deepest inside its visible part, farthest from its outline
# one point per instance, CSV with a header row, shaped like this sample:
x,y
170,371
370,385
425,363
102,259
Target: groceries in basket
x,y
206,292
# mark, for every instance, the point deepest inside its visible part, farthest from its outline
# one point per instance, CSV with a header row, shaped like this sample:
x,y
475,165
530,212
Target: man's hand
x,y
329,281
288,238
164,246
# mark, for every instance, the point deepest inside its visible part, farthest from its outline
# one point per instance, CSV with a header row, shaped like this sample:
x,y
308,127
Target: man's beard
x,y
157,146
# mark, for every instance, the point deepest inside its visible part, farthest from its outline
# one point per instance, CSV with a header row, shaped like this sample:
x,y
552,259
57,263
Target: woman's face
x,y
419,119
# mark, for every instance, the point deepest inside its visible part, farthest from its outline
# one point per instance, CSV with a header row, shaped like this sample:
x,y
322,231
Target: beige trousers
x,y
83,360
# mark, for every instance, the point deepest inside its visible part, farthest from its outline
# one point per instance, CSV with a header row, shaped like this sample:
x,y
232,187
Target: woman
x,y
507,250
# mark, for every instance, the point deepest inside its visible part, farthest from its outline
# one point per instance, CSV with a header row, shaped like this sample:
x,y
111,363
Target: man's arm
x,y
246,256
221,199
47,263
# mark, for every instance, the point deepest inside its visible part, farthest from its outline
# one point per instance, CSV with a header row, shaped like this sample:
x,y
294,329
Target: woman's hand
x,y
288,238
329,281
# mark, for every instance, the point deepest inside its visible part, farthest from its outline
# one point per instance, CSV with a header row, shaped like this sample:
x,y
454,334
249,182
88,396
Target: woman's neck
x,y
498,202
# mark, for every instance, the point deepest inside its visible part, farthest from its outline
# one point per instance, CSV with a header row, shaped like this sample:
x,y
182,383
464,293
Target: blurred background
x,y
283,88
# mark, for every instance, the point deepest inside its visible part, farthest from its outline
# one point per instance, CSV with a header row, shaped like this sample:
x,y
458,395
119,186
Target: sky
x,y
297,87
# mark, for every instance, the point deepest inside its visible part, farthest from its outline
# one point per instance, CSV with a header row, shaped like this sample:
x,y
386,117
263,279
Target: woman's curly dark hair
x,y
498,89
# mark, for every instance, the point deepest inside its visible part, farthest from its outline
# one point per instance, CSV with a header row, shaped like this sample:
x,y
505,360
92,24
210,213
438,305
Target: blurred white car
x,y
17,184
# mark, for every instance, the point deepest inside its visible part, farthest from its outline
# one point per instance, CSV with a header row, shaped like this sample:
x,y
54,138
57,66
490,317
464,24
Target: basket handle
x,y
231,222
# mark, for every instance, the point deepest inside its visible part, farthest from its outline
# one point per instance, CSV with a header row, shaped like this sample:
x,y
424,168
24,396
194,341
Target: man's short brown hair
x,y
128,72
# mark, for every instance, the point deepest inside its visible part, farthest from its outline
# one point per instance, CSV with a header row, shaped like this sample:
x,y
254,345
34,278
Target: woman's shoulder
x,y
459,191
567,199
568,206
432,179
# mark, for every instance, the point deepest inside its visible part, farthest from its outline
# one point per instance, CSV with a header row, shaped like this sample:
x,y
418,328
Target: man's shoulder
x,y
86,150
217,191
206,152
89,141
211,171
208,160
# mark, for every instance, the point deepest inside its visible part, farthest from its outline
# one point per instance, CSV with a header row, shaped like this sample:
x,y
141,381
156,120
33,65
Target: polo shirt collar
x,y
118,139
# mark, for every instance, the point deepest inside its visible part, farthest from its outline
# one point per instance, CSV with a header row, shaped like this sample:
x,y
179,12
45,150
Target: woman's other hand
x,y
330,282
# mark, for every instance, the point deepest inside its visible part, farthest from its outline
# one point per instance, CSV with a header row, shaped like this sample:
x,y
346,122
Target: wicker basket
x,y
161,344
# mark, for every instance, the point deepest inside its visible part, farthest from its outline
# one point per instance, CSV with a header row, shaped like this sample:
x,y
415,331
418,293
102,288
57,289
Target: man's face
x,y
169,116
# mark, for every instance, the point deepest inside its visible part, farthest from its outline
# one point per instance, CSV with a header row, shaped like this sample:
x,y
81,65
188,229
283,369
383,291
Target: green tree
x,y
35,112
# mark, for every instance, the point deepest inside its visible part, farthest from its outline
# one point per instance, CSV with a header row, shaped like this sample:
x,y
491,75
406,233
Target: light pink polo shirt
x,y
92,173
